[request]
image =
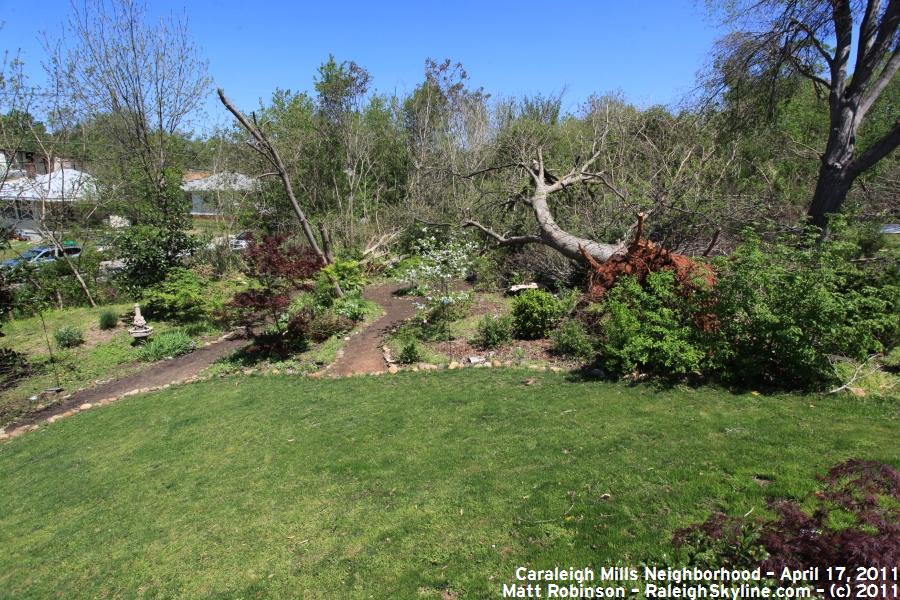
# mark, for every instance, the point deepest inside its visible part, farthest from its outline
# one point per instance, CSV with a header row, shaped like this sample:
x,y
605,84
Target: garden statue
x,y
139,328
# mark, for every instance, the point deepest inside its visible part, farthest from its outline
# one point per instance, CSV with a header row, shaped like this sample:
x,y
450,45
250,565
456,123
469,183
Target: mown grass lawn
x,y
104,355
413,486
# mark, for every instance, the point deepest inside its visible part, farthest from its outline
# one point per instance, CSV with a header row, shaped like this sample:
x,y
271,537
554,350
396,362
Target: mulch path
x,y
363,353
176,370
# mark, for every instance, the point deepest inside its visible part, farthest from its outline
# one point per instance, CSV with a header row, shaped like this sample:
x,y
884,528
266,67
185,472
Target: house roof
x,y
221,182
194,175
63,185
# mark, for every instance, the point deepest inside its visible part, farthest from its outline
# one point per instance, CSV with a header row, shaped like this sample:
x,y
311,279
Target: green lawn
x,y
396,487
104,355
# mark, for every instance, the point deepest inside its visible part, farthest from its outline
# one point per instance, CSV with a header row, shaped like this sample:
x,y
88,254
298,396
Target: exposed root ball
x,y
642,258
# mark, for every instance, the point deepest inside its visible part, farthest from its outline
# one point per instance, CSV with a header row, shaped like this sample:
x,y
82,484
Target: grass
x,y
14,248
105,354
421,485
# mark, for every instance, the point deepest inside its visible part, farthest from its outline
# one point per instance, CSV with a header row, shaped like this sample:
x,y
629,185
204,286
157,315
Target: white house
x,y
26,201
212,193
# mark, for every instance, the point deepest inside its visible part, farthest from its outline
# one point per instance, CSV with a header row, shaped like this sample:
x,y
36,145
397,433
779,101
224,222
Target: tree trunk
x,y
835,176
832,188
567,244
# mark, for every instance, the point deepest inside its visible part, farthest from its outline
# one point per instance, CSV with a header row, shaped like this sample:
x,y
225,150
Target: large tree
x,y
136,81
777,40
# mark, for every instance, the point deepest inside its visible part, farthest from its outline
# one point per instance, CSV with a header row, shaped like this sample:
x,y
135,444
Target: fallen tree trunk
x,y
549,232
607,261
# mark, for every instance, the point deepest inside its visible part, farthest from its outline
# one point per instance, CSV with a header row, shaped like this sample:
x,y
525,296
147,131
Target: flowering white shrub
x,y
441,263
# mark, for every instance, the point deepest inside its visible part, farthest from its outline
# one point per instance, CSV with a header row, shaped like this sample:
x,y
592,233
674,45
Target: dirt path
x,y
172,371
363,354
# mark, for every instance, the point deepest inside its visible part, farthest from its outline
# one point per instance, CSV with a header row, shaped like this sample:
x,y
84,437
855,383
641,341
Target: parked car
x,y
41,254
234,242
240,241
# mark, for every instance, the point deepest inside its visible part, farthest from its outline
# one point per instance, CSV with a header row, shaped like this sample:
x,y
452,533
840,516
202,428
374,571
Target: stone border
x,y
392,369
7,435
4,435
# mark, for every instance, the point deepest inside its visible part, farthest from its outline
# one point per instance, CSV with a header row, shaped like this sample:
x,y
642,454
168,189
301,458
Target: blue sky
x,y
650,51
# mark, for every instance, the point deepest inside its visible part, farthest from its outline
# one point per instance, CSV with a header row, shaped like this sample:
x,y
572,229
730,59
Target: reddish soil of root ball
x,y
642,258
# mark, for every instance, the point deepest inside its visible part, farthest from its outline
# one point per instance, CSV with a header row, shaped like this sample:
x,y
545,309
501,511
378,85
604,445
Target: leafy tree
x,y
776,43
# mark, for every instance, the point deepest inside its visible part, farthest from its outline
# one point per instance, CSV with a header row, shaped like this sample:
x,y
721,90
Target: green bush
x,y
324,325
149,252
572,339
777,316
109,319
534,313
167,344
783,310
14,366
352,306
648,328
68,337
494,331
891,361
404,267
488,273
180,297
54,284
348,273
410,354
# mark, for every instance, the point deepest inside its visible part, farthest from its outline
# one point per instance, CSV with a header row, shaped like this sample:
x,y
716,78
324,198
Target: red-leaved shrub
x,y
865,495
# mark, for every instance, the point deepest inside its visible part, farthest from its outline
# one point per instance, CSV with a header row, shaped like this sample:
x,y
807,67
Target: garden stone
x,y
517,289
393,369
453,365
476,360
86,406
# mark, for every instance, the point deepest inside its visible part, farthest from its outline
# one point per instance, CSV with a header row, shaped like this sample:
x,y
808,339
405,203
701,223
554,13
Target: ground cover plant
x,y
417,485
852,521
167,344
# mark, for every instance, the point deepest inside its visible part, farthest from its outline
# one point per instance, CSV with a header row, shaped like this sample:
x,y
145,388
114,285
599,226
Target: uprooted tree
x,y
607,260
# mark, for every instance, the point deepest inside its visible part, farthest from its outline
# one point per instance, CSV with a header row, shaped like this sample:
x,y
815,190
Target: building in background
x,y
215,194
28,203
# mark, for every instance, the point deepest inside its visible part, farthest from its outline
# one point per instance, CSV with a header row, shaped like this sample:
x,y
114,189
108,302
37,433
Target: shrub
x,y
179,297
785,310
68,336
648,328
348,273
494,331
572,339
109,319
324,325
352,306
276,268
149,252
167,344
487,273
534,313
854,521
777,316
13,367
891,361
410,354
440,261
54,284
